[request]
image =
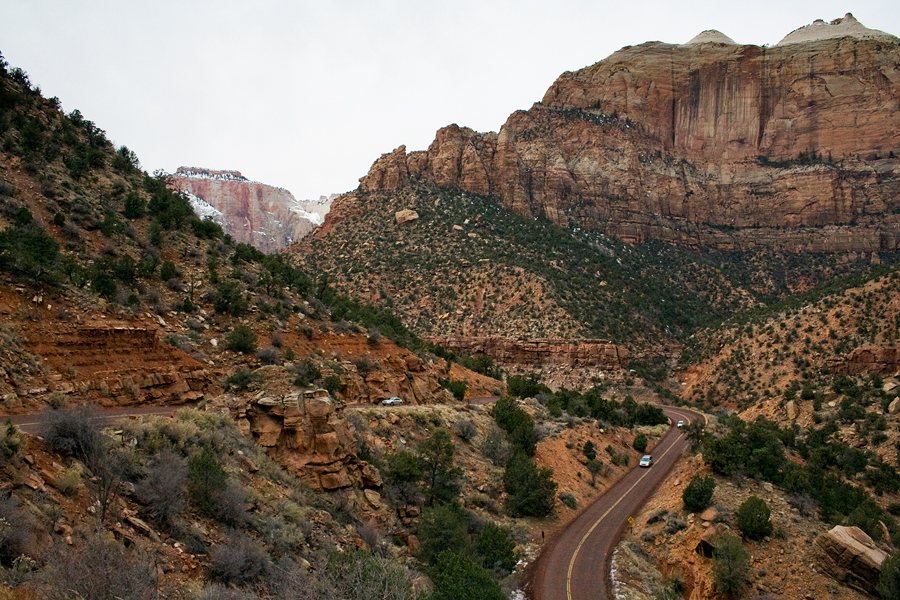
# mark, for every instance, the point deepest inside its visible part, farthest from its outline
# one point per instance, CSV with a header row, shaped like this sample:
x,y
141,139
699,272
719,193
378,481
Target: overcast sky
x,y
307,94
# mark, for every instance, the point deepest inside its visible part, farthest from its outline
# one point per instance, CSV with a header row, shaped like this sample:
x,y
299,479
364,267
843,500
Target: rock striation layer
x,y
267,217
850,556
706,144
580,353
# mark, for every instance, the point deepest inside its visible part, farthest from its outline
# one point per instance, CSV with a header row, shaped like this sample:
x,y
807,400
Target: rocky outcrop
x,y
118,364
581,353
303,432
850,556
707,144
264,216
406,376
870,360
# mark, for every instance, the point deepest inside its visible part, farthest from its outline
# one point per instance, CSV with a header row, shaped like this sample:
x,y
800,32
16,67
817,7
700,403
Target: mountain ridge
x,y
792,148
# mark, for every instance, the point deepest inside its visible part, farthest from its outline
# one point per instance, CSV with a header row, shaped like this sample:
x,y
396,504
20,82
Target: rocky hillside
x,y
847,328
266,217
459,268
707,144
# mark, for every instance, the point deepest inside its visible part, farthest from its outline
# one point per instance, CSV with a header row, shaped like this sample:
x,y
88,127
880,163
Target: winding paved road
x,y
576,565
34,422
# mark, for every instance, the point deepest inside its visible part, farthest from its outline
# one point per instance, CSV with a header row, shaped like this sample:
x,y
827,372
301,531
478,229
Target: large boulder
x,y
850,556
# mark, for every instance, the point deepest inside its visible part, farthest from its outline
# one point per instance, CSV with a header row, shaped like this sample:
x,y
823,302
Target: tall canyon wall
x,y
707,144
264,216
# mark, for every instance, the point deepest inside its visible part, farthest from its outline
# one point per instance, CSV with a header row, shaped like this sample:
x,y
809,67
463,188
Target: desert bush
x,y
269,356
466,430
167,270
494,447
457,576
752,518
15,529
456,387
640,443
362,576
104,569
241,379
363,364
68,480
277,339
238,561
11,444
206,479
698,493
217,591
230,505
889,580
332,383
74,432
162,490
442,528
517,424
496,548
241,339
569,500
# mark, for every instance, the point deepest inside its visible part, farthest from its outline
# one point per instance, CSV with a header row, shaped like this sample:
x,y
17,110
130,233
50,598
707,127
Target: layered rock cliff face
x,y
264,216
707,144
581,353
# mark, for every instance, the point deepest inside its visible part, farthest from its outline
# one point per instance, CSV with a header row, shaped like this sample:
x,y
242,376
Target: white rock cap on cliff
x,y
843,27
710,36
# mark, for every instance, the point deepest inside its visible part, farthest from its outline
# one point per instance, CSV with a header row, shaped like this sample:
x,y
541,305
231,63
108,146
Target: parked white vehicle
x,y
394,401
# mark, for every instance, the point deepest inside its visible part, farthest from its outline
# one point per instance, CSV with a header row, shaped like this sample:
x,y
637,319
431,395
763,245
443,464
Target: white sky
x,y
307,94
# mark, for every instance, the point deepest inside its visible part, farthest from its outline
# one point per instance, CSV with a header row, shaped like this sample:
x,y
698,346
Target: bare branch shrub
x,y
103,569
238,560
162,491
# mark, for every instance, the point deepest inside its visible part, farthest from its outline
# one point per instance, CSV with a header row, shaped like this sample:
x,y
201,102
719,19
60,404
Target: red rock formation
x,y
703,144
870,360
580,353
144,369
267,217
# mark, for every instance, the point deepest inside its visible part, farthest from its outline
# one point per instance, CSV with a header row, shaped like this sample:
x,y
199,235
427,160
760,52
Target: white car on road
x,y
394,401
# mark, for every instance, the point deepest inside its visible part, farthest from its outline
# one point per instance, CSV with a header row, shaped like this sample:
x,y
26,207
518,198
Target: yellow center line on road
x,y
603,516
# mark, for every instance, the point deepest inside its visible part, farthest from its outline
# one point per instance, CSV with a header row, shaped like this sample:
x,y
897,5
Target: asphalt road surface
x,y
576,565
33,423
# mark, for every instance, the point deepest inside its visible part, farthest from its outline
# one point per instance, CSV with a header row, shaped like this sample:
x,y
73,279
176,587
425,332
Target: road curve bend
x,y
576,565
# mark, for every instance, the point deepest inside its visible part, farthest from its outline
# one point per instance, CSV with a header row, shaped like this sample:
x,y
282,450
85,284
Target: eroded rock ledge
x,y
578,353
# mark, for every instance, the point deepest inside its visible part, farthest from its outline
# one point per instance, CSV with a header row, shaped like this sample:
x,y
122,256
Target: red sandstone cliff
x,y
267,217
705,144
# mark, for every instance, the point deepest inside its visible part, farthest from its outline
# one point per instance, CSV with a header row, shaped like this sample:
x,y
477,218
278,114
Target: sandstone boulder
x,y
707,544
791,409
894,406
850,556
406,216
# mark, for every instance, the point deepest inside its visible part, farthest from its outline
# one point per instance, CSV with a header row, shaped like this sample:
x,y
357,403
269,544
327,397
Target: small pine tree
x,y
731,565
698,493
889,580
640,442
206,479
590,452
531,490
752,518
